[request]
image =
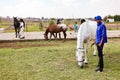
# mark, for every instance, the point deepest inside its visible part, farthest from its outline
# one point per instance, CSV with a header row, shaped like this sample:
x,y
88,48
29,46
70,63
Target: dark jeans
x,y
100,55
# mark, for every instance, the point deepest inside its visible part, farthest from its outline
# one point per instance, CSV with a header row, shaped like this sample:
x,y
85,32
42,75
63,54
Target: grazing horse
x,y
86,32
55,29
16,26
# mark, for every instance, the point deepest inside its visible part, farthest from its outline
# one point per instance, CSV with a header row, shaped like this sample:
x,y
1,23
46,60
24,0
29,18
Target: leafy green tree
x,y
111,17
51,22
105,18
117,17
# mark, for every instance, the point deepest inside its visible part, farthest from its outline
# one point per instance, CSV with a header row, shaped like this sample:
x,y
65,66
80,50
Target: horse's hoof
x,y
63,40
81,67
80,64
94,54
86,62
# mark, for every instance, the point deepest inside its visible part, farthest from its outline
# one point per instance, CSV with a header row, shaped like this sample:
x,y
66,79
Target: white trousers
x,y
21,33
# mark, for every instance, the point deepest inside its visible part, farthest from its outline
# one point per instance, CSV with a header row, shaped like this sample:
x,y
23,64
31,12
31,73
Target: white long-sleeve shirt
x,y
21,24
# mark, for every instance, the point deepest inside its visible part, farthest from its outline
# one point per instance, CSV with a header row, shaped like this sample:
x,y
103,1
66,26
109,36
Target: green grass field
x,y
55,60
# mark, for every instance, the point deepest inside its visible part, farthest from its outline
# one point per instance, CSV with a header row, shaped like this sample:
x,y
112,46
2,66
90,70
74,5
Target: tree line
x,y
115,17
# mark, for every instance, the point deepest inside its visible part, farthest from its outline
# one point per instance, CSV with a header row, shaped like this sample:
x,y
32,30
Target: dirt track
x,y
40,36
8,40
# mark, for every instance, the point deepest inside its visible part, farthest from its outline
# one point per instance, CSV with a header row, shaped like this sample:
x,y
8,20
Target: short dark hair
x,y
21,20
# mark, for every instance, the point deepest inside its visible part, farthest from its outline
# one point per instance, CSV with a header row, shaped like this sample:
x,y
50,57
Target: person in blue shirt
x,y
101,38
76,27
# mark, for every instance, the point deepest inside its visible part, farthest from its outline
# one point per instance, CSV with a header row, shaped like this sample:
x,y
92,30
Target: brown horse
x,y
55,29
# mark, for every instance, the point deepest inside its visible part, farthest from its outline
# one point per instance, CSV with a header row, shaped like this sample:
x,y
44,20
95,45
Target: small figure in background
x,y
58,22
41,25
76,27
59,25
22,27
52,22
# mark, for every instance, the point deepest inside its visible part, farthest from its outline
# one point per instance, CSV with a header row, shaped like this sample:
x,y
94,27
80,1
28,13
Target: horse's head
x,y
80,57
16,22
14,18
45,36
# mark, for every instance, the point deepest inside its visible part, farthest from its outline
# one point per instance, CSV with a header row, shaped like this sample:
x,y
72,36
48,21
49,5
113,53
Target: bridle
x,y
80,49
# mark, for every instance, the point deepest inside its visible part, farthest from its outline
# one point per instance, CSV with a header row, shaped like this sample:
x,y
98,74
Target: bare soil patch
x,y
17,45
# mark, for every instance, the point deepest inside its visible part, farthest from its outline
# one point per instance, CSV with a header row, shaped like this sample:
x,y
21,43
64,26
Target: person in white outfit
x,y
22,27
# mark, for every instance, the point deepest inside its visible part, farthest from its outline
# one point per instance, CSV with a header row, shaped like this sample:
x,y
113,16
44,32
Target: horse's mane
x,y
87,26
88,29
87,22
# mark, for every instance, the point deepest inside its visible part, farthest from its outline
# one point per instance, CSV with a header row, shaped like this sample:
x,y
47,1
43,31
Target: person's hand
x,y
99,44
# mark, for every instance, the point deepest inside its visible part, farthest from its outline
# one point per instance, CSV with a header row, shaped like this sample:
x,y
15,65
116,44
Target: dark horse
x,y
55,29
16,26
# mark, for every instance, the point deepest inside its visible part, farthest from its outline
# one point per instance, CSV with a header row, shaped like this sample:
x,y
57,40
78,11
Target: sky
x,y
59,8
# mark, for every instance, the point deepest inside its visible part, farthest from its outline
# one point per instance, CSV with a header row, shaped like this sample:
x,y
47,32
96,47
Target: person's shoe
x,y
98,70
22,37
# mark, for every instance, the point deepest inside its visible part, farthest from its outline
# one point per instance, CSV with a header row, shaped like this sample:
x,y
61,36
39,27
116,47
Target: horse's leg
x,y
50,35
95,50
64,33
19,30
80,52
16,32
55,36
20,33
59,35
86,52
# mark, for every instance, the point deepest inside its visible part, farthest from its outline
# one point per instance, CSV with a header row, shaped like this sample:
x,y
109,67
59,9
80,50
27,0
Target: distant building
x,y
110,20
36,20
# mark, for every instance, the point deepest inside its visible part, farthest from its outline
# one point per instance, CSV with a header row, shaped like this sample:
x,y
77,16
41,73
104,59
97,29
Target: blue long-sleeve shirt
x,y
101,33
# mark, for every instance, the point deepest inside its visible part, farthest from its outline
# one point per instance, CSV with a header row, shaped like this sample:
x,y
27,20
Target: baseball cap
x,y
98,18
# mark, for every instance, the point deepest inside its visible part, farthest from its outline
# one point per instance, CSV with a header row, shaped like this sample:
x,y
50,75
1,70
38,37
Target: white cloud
x,y
105,7
59,8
